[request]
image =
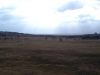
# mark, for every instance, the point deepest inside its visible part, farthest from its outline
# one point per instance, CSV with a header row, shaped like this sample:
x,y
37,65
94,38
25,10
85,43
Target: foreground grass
x,y
39,56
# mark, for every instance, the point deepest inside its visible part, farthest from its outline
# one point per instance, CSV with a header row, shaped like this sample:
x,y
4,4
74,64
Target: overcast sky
x,y
50,16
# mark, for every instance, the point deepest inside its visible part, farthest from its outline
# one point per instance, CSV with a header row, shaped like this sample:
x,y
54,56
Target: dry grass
x,y
40,56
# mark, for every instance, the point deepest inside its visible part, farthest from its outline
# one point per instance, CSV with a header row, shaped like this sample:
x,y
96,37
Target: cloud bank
x,y
71,5
9,22
50,17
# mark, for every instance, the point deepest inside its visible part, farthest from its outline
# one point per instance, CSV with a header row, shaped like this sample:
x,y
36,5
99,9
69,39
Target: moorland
x,y
27,54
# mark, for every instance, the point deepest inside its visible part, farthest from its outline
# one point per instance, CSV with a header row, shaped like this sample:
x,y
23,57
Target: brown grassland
x,y
40,56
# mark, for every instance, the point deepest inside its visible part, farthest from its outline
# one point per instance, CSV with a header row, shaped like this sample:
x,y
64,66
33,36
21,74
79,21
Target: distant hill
x,y
16,34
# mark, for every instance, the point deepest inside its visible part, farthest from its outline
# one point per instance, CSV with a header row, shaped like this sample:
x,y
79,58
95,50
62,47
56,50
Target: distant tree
x,y
66,38
74,38
11,38
95,33
86,37
60,39
3,34
18,35
53,38
45,37
5,38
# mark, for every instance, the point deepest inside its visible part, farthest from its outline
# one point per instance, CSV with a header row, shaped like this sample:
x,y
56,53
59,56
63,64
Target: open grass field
x,y
40,56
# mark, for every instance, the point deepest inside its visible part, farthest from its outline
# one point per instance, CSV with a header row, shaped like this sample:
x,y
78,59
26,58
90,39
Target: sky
x,y
50,16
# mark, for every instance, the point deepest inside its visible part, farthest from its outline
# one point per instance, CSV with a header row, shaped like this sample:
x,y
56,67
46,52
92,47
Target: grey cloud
x,y
90,26
70,6
85,18
86,24
96,5
7,9
13,23
81,16
4,17
9,22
